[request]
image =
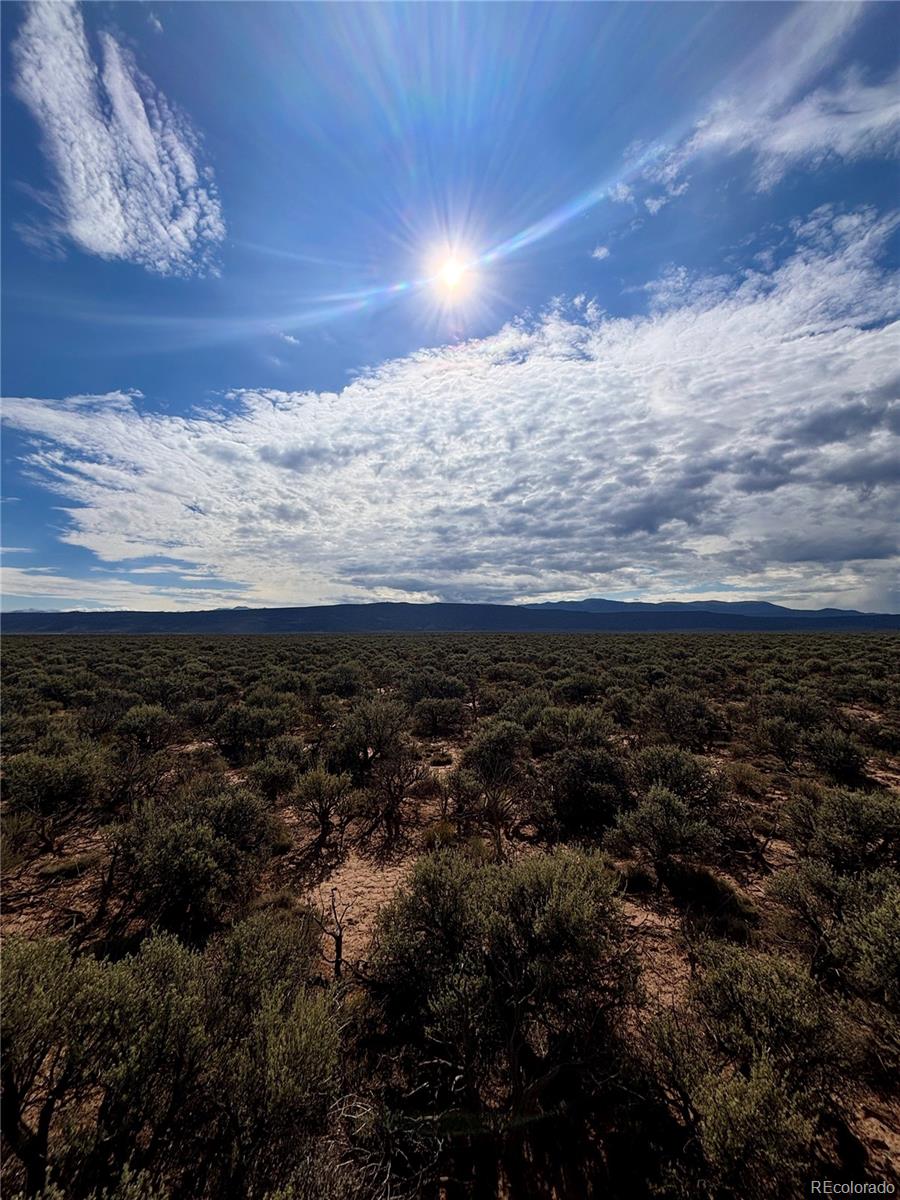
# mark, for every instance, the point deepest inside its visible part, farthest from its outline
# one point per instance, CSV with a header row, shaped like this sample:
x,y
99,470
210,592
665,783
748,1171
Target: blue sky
x,y
235,373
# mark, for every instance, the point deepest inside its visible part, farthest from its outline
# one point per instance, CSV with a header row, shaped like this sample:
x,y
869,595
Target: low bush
x,y
752,1066
661,828
576,794
191,859
836,752
49,789
205,1073
679,772
494,978
324,801
848,830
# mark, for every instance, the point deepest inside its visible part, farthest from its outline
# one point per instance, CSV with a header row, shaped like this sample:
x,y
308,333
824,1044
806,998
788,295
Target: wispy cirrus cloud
x,y
130,184
851,120
681,452
779,108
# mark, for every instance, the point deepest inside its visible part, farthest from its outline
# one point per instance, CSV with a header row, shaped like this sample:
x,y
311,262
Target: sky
x,y
318,303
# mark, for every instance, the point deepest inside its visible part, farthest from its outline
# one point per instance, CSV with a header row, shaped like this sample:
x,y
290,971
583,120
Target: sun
x,y
452,275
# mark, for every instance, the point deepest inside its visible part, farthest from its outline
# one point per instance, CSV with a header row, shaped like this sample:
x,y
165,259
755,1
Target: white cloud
x,y
621,193
742,435
129,182
777,109
154,22
600,252
290,339
49,589
852,120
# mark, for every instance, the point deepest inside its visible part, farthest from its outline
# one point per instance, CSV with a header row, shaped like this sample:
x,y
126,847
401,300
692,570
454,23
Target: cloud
x,y
130,184
621,193
600,252
693,450
53,590
154,22
849,121
778,109
290,339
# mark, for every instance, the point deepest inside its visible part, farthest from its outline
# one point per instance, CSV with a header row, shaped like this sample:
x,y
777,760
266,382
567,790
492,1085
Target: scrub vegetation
x,y
372,917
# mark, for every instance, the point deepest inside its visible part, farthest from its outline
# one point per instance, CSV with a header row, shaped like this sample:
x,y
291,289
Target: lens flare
x,y
451,275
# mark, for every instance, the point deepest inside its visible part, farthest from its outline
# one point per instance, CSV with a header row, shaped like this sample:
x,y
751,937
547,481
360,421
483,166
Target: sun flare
x,y
452,275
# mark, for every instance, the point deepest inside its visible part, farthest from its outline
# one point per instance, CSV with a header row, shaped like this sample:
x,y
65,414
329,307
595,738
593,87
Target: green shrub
x,y
432,685
686,717
324,800
434,716
367,733
746,781
752,1066
578,793
439,836
495,753
343,679
622,705
570,729
241,729
49,789
272,777
835,752
711,906
680,772
844,923
213,1072
756,1135
395,784
148,727
497,976
849,830
663,827
577,688
778,736
190,859
867,943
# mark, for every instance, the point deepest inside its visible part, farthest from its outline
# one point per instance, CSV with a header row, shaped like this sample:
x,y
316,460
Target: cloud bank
x,y
743,435
130,184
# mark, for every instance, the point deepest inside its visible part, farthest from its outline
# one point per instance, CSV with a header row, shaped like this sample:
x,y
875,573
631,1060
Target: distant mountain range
x,y
576,616
746,608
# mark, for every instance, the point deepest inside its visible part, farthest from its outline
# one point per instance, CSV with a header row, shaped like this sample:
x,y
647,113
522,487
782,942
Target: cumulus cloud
x,y
600,252
130,184
738,436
